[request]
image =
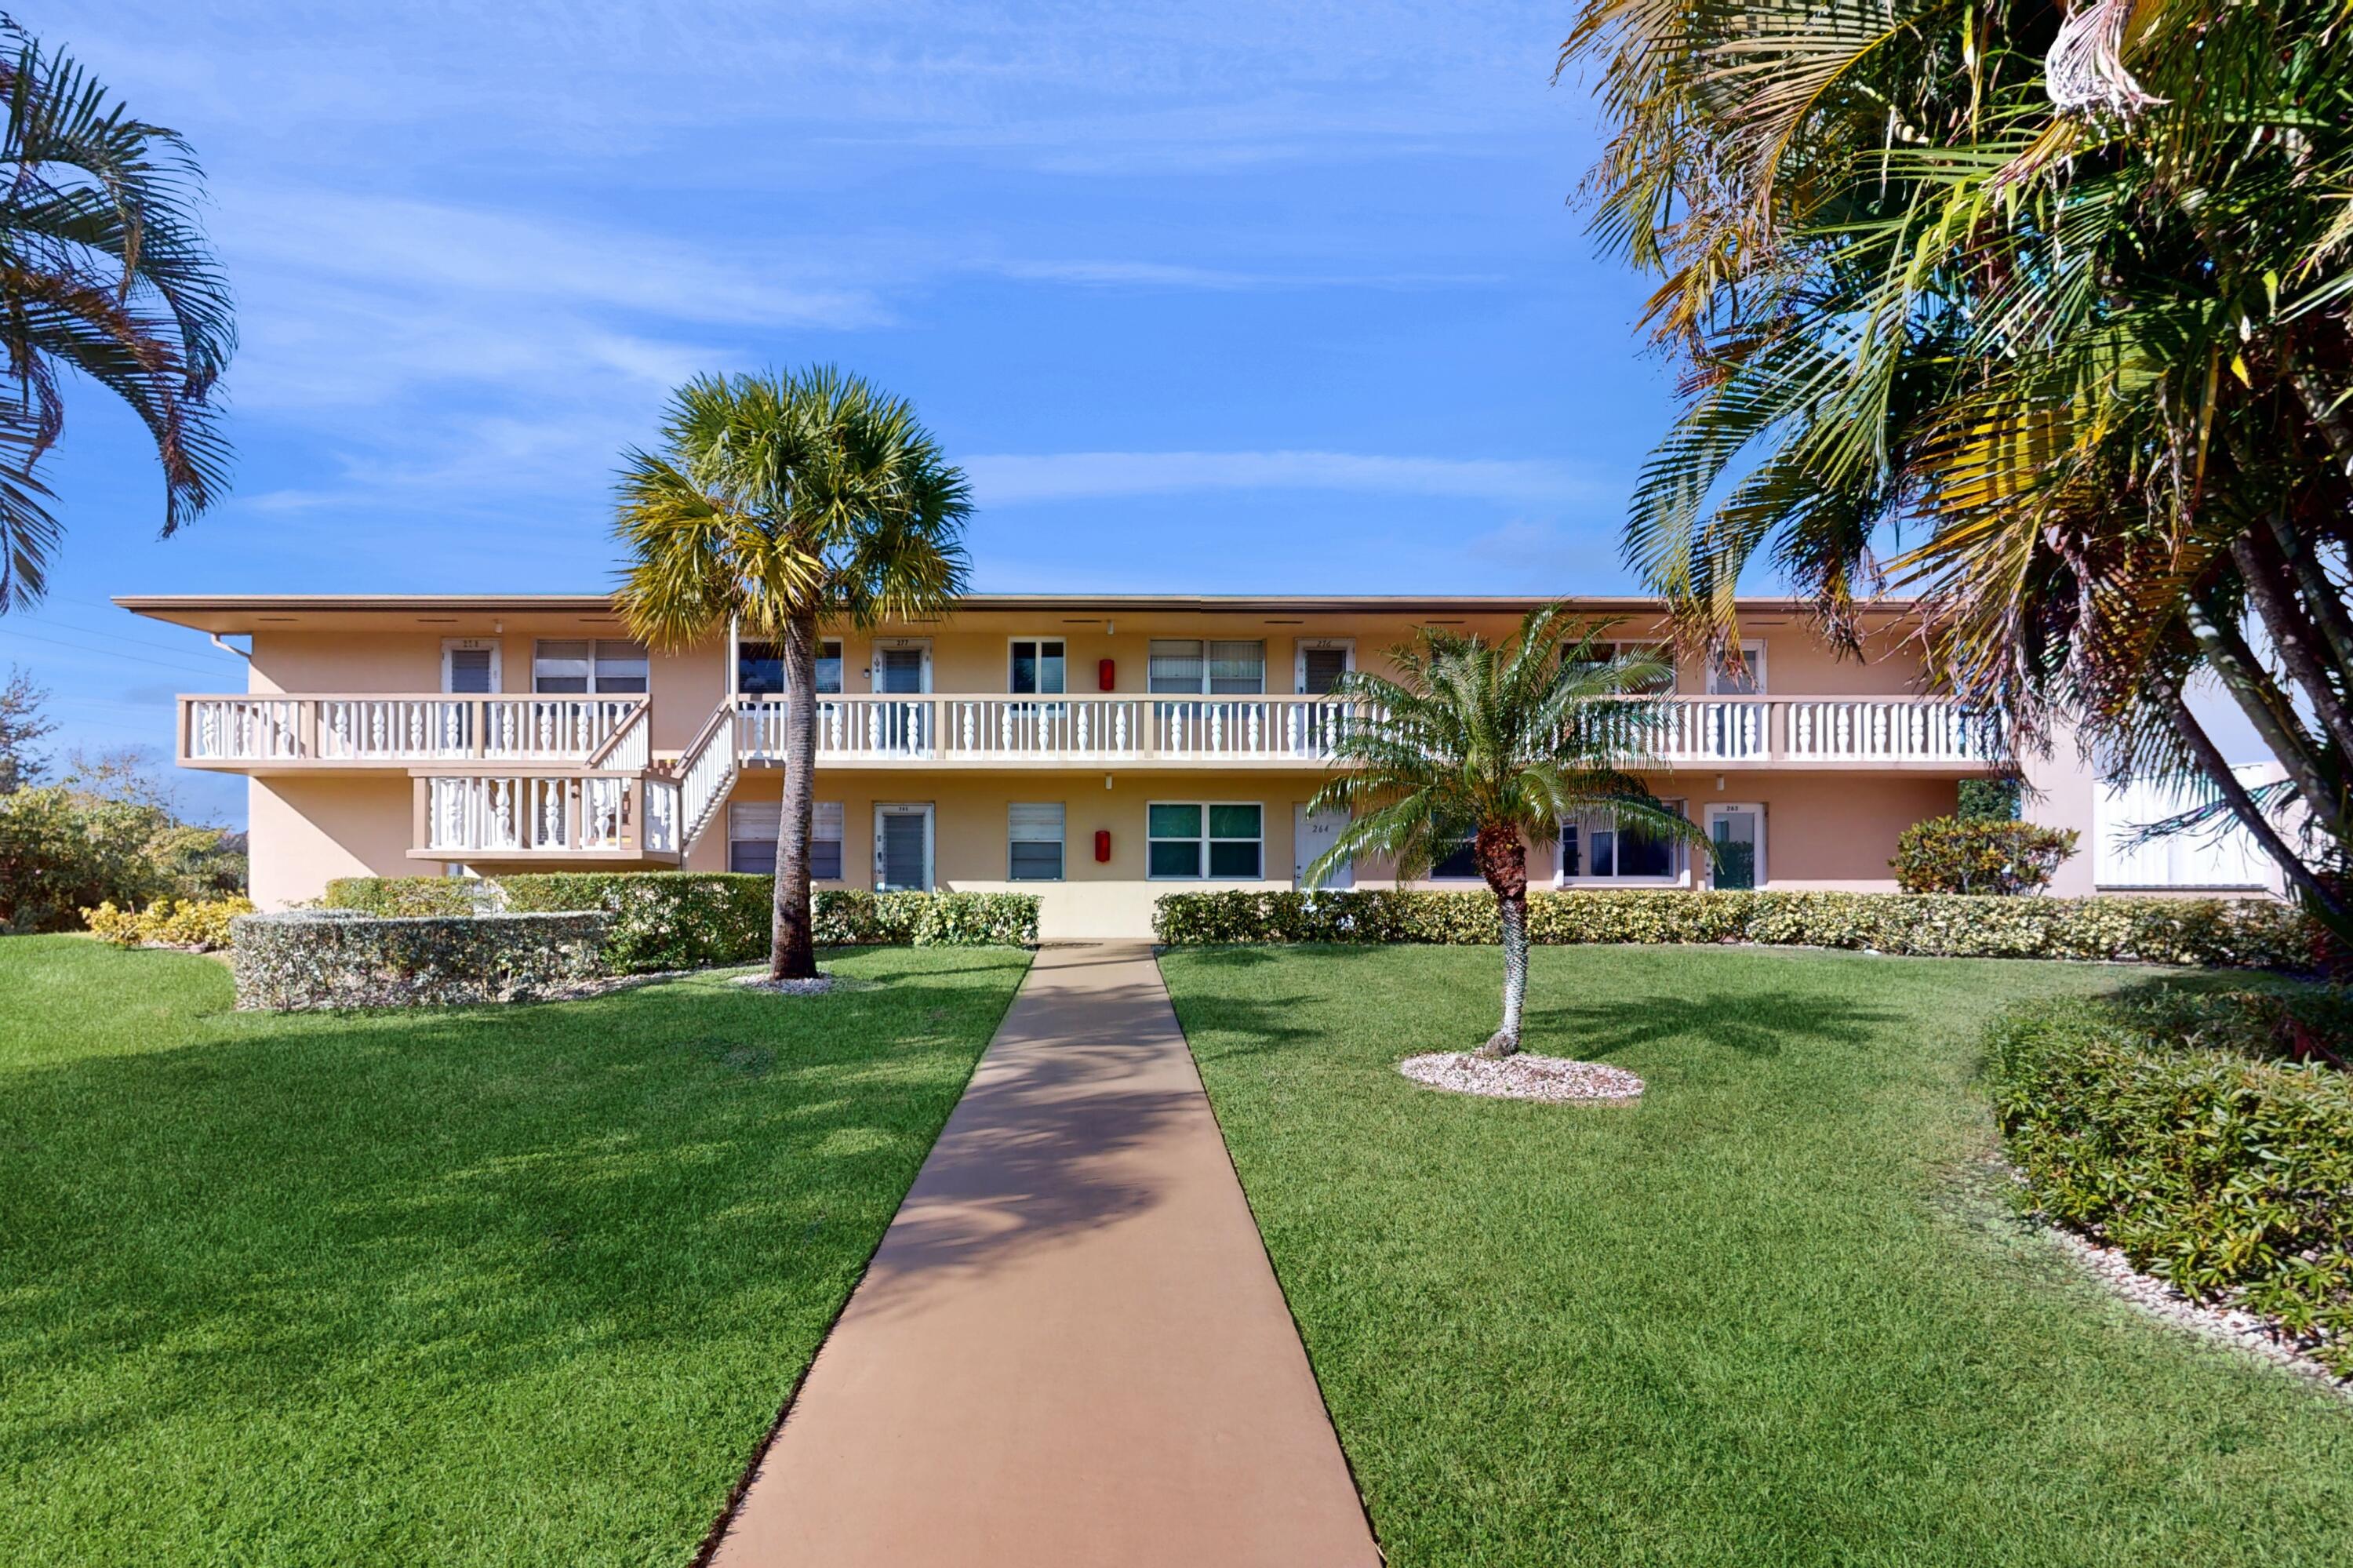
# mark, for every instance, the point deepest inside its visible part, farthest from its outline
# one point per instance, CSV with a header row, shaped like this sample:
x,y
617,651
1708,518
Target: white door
x,y
469,665
903,849
1320,664
1738,833
903,670
1310,837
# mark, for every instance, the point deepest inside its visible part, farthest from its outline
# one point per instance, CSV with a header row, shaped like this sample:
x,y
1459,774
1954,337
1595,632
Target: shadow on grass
x,y
1749,1022
282,1208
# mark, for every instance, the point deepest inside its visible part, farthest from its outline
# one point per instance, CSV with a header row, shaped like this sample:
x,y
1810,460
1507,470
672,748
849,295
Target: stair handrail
x,y
636,728
702,782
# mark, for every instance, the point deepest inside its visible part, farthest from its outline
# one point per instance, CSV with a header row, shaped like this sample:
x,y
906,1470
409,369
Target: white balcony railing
x,y
398,729
493,814
1210,730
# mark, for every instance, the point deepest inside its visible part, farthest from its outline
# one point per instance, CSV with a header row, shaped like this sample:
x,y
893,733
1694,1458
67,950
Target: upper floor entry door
x,y
469,666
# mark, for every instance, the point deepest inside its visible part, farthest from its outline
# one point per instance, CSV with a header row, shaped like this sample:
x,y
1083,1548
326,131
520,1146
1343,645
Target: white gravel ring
x,y
818,987
1522,1077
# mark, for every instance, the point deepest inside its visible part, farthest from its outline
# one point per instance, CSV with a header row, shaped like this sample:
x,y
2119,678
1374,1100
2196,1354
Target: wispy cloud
x,y
1012,479
1177,275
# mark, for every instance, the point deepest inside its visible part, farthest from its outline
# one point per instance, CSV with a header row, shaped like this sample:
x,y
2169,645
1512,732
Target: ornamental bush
x,y
1979,854
684,919
2246,932
2153,1128
198,925
337,958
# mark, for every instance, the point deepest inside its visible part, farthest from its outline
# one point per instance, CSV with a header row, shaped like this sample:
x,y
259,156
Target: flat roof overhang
x,y
221,613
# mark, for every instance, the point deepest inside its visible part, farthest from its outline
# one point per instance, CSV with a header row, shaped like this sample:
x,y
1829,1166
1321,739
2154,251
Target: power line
x,y
61,624
108,652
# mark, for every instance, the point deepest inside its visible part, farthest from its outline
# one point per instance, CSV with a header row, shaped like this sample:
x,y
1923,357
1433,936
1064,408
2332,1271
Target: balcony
x,y
495,814
259,733
1000,731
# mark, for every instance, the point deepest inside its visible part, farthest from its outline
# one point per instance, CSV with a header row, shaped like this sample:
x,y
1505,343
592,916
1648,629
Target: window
x,y
559,668
1233,846
1034,834
1181,666
1038,666
751,838
1748,681
1461,861
760,668
1595,848
1663,686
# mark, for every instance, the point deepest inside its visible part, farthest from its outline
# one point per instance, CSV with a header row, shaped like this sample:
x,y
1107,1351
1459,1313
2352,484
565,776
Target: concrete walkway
x,y
1070,1347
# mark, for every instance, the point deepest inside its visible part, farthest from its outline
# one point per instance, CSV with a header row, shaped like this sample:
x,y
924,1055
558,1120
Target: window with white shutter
x,y
1034,843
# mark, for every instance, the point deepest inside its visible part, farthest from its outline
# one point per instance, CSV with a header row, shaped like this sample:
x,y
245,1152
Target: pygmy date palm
x,y
781,503
1498,745
103,271
2044,313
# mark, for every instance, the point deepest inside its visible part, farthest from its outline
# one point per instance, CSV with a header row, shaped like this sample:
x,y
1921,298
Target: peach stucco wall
x,y
1822,831
970,654
1823,828
307,830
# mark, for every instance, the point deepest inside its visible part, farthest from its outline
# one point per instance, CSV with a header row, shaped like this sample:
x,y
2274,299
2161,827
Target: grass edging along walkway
x,y
519,1285
1778,1311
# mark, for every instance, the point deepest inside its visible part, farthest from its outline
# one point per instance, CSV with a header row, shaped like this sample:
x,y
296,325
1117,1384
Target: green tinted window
x,y
1176,823
1176,857
1234,821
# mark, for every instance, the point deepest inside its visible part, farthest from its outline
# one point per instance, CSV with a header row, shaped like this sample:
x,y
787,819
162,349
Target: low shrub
x,y
411,895
2226,1172
661,919
340,958
2246,932
687,919
1979,854
198,925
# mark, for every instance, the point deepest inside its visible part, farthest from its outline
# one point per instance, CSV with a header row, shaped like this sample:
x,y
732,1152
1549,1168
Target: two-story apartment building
x,y
1097,750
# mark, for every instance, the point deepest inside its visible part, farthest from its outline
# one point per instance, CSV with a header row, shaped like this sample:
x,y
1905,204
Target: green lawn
x,y
485,1286
1776,1313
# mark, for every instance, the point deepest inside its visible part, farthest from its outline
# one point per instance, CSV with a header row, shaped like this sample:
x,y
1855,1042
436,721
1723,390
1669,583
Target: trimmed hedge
x,y
2244,932
410,895
2154,1129
687,919
333,957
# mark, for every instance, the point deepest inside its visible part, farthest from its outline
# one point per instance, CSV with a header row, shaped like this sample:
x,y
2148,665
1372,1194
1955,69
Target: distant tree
x,y
108,831
781,502
22,727
104,273
1498,745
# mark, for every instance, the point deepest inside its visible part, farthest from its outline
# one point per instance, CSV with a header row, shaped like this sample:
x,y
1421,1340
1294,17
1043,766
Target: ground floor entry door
x,y
1310,837
1738,833
903,849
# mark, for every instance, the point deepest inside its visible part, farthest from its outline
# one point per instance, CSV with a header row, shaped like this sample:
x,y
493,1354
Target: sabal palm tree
x,y
1497,745
2044,313
103,271
781,502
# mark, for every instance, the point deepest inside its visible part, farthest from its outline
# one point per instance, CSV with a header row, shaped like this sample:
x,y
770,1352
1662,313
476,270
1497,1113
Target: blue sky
x,y
1206,297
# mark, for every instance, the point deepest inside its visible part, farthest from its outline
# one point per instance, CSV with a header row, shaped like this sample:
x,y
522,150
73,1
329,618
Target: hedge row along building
x,y
1097,750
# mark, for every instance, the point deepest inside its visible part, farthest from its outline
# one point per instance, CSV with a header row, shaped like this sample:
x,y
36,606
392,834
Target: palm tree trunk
x,y
2321,894
1504,860
792,951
